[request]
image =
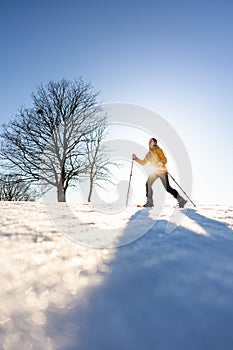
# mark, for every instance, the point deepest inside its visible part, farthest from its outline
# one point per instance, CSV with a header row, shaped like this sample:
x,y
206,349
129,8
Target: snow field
x,y
162,291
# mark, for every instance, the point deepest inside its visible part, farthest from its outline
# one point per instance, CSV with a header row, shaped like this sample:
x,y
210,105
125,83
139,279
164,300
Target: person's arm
x,y
139,161
161,156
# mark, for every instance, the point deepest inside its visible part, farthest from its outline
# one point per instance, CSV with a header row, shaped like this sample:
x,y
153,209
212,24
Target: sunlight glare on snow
x,y
42,270
194,226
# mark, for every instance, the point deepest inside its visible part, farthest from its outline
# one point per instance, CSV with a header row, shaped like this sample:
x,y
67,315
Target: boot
x,y
149,203
181,201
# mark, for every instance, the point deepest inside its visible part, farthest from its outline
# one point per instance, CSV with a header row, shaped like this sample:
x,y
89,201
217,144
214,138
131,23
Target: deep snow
x,y
167,289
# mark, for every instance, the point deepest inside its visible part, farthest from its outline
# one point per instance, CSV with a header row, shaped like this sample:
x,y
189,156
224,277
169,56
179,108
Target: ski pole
x,y
129,182
181,189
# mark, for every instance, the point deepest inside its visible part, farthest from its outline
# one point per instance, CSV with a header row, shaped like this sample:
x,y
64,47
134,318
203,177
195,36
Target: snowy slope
x,y
161,291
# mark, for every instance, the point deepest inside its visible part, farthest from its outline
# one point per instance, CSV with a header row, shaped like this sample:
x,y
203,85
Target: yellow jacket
x,y
155,157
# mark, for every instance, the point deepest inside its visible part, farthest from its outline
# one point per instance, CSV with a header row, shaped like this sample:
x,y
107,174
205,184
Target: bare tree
x,y
47,143
13,188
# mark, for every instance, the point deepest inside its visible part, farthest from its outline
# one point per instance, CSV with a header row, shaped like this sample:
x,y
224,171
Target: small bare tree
x,y
13,188
98,162
47,143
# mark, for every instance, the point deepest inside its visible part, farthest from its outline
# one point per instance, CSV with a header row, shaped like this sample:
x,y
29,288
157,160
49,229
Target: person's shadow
x,y
164,291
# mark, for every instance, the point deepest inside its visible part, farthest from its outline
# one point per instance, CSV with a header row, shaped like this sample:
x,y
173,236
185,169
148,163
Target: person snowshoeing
x,y
156,157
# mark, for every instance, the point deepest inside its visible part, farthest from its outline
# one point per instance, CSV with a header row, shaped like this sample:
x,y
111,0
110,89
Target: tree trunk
x,y
90,191
61,193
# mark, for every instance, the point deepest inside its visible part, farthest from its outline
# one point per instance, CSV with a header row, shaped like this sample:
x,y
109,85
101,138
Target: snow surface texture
x,y
163,291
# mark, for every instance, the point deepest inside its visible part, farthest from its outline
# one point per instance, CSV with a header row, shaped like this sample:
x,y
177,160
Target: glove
x,y
134,157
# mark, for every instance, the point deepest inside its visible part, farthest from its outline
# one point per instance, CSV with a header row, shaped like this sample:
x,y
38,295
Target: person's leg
x,y
149,192
167,186
165,180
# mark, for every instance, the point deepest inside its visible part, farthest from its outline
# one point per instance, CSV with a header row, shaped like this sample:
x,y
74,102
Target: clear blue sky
x,y
174,57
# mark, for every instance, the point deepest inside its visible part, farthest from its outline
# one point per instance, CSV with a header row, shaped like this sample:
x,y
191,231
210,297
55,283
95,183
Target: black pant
x,y
165,181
